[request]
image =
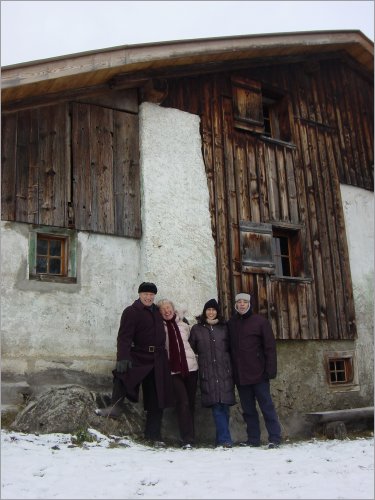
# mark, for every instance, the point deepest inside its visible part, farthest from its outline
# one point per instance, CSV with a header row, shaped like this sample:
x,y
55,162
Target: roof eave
x,y
53,75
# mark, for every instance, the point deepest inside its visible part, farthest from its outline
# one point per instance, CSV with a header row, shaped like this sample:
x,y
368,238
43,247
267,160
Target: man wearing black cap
x,y
253,352
142,359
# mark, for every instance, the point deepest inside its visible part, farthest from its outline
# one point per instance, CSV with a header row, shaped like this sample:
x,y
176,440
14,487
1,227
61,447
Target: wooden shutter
x,y
256,247
9,167
127,175
283,120
247,104
106,193
35,162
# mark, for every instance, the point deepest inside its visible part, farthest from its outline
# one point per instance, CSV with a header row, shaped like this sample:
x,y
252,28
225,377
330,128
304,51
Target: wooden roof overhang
x,y
130,65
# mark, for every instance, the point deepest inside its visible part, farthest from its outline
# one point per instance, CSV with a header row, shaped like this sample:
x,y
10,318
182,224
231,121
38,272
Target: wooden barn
x,y
211,167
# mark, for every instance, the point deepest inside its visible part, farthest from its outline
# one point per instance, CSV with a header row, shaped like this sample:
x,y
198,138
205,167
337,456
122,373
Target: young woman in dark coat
x,y
209,340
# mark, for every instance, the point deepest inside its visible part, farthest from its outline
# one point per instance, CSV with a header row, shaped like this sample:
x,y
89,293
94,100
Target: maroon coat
x,y
253,348
140,328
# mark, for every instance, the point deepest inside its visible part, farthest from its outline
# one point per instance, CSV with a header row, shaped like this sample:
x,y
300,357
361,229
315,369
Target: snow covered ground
x,y
49,466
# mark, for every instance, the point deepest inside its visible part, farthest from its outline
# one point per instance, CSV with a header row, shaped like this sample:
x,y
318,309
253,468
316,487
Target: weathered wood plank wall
x,y
249,178
35,159
297,181
72,165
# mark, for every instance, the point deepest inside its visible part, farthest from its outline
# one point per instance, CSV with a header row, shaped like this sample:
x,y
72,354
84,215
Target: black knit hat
x,y
211,303
147,287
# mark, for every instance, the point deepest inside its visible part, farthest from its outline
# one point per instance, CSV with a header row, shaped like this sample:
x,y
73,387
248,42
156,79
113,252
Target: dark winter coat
x,y
140,328
253,348
211,344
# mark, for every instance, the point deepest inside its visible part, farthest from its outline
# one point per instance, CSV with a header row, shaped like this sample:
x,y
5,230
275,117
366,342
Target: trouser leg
x,y
153,424
220,413
117,399
264,398
191,388
118,392
154,414
250,413
184,416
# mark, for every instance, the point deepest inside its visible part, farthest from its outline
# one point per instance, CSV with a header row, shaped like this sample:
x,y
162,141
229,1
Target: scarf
x,y
177,356
212,321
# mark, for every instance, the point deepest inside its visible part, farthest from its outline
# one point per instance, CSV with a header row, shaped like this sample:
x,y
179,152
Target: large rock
x,y
71,408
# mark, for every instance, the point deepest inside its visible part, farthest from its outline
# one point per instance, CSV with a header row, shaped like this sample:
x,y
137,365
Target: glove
x,y
123,365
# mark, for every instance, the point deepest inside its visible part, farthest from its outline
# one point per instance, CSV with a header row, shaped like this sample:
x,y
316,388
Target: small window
x,y
341,370
270,249
276,117
52,254
260,110
267,114
287,253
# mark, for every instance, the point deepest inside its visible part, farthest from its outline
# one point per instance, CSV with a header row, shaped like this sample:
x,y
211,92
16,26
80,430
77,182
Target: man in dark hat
x,y
142,359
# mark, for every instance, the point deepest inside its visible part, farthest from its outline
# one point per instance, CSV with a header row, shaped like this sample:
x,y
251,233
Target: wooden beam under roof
x,y
98,68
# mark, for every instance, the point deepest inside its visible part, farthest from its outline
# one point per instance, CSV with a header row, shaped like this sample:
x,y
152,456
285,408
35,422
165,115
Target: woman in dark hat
x,y
209,340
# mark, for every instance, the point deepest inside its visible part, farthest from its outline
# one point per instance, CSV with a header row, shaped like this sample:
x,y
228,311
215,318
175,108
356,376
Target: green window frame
x,y
53,254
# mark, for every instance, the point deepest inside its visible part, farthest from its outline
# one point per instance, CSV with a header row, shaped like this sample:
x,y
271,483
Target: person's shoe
x,y
159,444
251,445
111,412
224,445
186,446
271,446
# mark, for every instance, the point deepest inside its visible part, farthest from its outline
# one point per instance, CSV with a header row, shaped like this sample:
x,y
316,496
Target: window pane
x,y
341,377
286,266
284,246
41,265
55,266
42,247
55,247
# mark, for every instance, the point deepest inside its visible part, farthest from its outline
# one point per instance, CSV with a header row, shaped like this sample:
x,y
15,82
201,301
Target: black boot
x,y
117,406
111,411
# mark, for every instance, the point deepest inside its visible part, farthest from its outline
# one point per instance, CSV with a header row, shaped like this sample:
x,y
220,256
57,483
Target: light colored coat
x,y
185,334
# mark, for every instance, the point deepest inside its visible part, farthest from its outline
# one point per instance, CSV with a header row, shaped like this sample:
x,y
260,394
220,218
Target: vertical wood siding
x,y
106,186
73,166
34,163
264,181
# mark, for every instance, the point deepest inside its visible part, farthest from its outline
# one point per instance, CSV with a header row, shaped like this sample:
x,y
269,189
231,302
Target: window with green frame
x,y
52,254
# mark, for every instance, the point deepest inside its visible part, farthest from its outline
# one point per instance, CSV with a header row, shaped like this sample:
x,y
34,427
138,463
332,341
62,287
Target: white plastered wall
x,y
65,326
178,250
358,205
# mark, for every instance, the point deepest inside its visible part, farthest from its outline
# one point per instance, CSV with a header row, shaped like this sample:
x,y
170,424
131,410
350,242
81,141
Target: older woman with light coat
x,y
184,369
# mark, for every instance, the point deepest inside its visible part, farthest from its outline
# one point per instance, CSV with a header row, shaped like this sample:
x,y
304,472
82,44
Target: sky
x,y
34,30
48,467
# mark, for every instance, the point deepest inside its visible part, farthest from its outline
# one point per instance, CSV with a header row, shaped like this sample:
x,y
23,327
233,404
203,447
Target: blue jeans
x,y
260,392
220,412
